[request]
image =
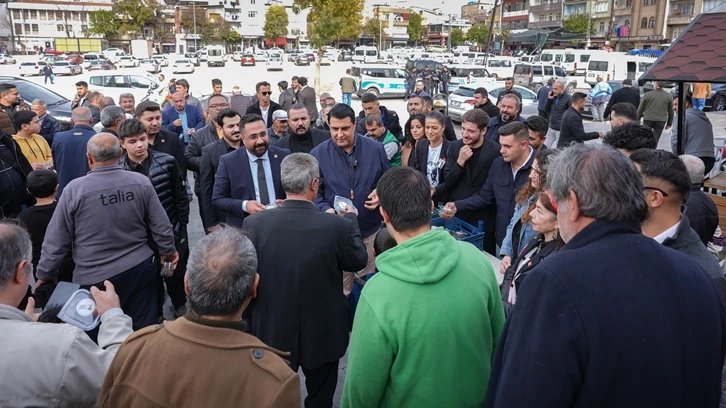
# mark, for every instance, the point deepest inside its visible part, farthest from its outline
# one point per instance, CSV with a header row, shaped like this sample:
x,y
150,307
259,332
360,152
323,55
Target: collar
x,y
228,147
599,230
106,168
669,233
142,163
192,317
252,157
528,162
8,312
82,126
297,203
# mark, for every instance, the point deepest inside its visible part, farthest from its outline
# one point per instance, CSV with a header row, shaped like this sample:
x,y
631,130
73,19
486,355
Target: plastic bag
x,y
342,203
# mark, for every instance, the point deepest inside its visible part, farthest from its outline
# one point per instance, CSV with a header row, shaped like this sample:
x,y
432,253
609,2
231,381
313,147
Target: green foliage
x,y
331,20
373,27
229,35
578,24
276,22
104,23
457,36
415,26
478,33
134,15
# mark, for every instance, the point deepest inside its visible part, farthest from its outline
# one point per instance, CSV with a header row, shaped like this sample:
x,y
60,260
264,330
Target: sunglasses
x,y
266,93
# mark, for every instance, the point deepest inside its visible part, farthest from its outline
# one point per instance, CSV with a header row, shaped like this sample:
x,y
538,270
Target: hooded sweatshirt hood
x,y
427,258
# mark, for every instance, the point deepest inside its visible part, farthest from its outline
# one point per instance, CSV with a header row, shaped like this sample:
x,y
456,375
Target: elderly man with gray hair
x,y
302,254
107,218
111,118
615,318
49,125
73,366
221,281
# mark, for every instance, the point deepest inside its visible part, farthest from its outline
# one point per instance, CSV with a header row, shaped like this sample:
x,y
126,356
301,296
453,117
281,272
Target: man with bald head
x,y
558,102
182,118
104,217
69,148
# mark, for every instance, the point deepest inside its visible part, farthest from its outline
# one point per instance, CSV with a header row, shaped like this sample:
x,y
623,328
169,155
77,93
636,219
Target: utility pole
x,y
589,21
380,33
489,38
194,12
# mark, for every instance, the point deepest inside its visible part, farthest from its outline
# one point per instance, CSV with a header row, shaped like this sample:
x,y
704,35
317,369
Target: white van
x,y
617,67
554,57
216,56
383,80
470,75
365,54
142,86
501,67
575,61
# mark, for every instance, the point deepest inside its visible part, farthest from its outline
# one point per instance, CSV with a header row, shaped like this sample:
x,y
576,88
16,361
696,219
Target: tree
x,y
457,36
330,20
578,24
373,27
134,15
104,23
415,27
276,22
478,33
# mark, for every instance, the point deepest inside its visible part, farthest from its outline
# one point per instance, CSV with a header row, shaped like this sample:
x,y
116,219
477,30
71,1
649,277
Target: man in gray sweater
x,y
656,110
697,139
558,102
103,217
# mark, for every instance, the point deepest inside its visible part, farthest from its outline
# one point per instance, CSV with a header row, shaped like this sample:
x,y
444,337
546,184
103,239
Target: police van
x,y
471,75
381,80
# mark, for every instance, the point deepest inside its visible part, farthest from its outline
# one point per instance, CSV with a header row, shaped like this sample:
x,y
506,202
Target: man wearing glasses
x,y
264,106
203,137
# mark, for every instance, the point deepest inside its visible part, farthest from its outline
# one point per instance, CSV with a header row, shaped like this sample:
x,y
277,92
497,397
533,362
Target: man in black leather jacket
x,y
163,171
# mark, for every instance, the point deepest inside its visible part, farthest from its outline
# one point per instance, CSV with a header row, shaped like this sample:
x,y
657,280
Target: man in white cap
x,y
279,126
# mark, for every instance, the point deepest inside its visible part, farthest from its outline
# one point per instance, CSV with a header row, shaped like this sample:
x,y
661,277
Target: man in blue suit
x,y
49,125
182,118
69,148
247,180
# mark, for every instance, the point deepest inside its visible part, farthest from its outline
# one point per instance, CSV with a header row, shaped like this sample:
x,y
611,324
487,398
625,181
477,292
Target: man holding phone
x,y
558,102
81,98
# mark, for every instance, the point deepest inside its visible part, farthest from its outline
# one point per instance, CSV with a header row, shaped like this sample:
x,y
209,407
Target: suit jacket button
x,y
257,354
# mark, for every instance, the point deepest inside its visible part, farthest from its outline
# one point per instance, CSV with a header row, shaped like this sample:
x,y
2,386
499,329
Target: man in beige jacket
x,y
47,364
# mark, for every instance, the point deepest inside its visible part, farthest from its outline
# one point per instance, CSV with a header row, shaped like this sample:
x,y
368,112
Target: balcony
x,y
545,7
679,19
545,24
623,9
518,13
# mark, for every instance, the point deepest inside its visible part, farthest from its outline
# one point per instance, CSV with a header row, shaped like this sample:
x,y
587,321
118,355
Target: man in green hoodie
x,y
427,324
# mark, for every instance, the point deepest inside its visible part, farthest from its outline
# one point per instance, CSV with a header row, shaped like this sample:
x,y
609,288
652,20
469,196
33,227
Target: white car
x,y
31,68
182,66
260,56
237,56
6,59
66,68
111,52
325,60
127,61
150,65
274,63
161,60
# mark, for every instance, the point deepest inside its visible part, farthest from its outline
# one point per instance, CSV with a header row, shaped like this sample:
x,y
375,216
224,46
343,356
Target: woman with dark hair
x,y
413,132
520,231
543,219
431,152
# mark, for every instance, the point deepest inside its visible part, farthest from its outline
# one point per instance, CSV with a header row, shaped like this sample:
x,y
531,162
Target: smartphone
x,y
167,270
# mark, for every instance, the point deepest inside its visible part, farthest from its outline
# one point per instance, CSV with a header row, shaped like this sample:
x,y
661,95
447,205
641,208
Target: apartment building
x,y
515,14
477,11
545,13
394,25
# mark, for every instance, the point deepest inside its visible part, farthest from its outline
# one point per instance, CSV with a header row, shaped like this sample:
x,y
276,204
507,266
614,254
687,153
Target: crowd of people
x,y
318,241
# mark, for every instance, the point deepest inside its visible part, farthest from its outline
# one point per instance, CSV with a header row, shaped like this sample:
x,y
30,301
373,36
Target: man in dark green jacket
x,y
656,110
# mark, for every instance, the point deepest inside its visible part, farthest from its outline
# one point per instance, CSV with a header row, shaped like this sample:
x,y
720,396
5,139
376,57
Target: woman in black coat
x,y
546,242
431,152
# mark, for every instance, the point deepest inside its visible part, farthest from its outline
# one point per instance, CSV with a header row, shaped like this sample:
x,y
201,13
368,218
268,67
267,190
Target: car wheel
x,y
719,104
373,91
570,88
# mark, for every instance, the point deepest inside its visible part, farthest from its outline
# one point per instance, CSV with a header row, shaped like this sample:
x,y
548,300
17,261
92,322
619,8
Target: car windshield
x,y
546,57
28,64
61,64
30,91
467,92
181,62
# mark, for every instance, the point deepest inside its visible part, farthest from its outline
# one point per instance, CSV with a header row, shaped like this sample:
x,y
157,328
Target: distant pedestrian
x,y
348,86
600,94
558,102
542,98
445,78
625,94
697,137
701,92
48,74
656,110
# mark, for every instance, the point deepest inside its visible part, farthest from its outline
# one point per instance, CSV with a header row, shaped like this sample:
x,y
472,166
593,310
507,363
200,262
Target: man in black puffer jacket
x,y
163,171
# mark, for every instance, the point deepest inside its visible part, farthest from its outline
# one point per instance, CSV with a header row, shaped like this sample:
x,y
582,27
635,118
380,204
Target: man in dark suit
x,y
69,148
306,96
182,118
227,124
300,137
263,106
299,305
287,95
160,139
572,130
49,125
247,180
467,168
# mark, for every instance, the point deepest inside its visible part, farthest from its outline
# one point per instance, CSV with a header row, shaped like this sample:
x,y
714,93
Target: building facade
x,y
515,14
477,11
394,25
545,13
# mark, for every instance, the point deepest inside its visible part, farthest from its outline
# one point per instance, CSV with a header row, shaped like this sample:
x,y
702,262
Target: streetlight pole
x,y
380,33
194,13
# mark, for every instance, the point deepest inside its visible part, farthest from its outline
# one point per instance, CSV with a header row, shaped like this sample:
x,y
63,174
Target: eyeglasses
x,y
656,189
266,93
328,105
219,106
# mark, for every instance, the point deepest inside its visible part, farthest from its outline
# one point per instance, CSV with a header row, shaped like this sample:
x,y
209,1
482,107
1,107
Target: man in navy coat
x,y
248,179
69,148
614,319
182,118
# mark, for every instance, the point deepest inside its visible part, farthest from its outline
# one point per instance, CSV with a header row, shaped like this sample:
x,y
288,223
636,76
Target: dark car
x,y
58,106
717,101
302,59
74,59
615,85
101,65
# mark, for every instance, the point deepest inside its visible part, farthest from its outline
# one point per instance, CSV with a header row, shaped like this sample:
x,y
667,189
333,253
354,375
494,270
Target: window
x,y
602,26
84,28
646,2
34,28
559,16
16,14
27,28
601,7
569,58
43,15
252,14
18,28
69,28
60,28
252,1
550,17
651,22
688,9
536,70
33,14
644,23
548,71
560,72
597,66
676,33
25,14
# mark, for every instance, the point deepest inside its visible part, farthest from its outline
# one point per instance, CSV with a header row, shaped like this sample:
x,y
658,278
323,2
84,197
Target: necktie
x,y
262,182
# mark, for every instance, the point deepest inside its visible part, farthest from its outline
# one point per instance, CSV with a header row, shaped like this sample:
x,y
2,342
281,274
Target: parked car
x,y
161,60
101,65
247,59
529,99
66,68
150,65
52,51
717,101
292,56
75,59
58,106
143,86
31,68
6,59
535,75
345,56
311,56
193,58
325,60
127,61
182,66
112,52
274,63
260,56
90,57
51,59
237,56
302,59
461,101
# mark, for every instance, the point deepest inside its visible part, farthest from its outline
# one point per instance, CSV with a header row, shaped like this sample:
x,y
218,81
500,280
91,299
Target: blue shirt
x,y
183,117
268,176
